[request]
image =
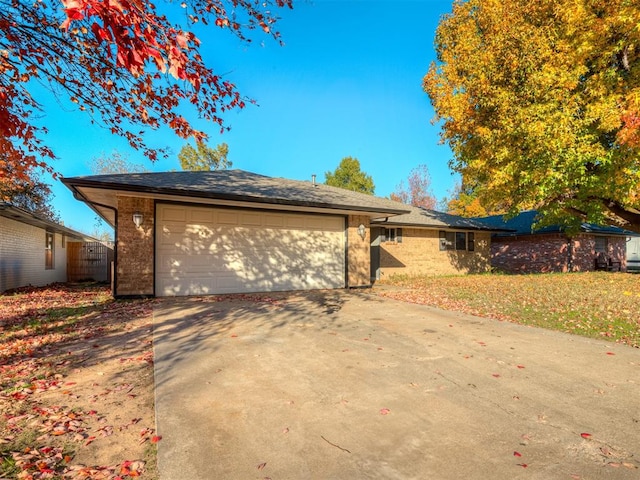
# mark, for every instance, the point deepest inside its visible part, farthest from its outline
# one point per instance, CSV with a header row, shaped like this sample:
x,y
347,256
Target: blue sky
x,y
347,82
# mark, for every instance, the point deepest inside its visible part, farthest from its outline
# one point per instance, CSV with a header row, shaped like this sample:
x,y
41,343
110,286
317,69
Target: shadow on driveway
x,y
346,385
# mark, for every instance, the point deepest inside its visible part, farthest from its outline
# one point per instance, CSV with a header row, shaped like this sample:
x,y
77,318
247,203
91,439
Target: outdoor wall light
x,y
137,219
362,231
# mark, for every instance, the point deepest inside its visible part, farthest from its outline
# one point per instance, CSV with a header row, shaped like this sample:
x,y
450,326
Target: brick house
x,y
232,231
427,242
33,250
549,249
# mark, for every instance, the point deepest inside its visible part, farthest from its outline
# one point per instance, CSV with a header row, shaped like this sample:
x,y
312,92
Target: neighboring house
x,y
34,250
550,249
231,231
426,242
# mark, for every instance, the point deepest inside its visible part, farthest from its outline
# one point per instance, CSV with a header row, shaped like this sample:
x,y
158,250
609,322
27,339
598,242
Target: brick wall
x,y
551,253
22,256
419,254
358,252
135,248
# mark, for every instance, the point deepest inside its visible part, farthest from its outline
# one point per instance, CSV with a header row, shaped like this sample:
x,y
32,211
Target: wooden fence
x,y
88,261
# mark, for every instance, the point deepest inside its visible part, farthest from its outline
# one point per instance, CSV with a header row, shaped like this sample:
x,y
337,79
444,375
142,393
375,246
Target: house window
x,y
602,245
392,235
48,252
447,240
457,241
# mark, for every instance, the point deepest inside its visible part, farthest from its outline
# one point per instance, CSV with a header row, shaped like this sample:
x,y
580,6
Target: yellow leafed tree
x,y
539,101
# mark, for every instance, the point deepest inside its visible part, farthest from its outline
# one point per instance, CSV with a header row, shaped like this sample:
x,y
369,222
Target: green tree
x,y
349,176
539,101
204,158
419,192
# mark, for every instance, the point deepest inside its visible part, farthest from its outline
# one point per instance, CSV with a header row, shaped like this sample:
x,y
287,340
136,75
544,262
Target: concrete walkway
x,y
348,385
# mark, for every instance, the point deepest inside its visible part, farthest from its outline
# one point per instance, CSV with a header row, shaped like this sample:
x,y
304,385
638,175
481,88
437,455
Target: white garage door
x,y
203,250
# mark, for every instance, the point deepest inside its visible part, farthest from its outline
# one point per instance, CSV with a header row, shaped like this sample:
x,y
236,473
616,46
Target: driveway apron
x,y
351,385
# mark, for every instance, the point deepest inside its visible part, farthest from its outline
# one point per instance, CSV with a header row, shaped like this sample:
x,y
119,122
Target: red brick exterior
x,y
551,253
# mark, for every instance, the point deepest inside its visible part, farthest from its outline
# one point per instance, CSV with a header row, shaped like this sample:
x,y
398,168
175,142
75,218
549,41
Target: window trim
x,y
49,251
452,240
391,235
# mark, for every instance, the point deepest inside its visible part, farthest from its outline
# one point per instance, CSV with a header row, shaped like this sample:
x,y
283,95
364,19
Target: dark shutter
x,y
399,235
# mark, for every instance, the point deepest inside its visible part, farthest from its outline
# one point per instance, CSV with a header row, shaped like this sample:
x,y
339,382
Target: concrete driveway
x,y
350,385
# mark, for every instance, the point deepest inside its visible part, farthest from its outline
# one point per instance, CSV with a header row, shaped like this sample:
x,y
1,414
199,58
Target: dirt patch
x,y
76,385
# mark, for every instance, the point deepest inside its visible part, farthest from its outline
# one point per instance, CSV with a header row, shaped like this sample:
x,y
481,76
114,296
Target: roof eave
x,y
74,184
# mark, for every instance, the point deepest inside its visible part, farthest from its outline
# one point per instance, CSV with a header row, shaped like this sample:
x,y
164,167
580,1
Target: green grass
x,y
592,304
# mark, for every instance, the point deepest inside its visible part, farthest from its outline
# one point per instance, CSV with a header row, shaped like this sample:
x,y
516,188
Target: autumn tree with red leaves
x,y
128,66
418,193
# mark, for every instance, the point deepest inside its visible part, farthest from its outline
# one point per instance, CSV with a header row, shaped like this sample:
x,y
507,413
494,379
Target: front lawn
x,y
76,385
593,304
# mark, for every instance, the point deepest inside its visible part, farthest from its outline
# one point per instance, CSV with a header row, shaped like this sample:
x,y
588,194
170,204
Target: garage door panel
x,y
229,251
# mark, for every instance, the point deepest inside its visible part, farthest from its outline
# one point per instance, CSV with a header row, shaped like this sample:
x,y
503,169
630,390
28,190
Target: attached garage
x,y
203,250
231,231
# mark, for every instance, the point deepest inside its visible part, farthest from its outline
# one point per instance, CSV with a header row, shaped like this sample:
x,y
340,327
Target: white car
x,y
633,254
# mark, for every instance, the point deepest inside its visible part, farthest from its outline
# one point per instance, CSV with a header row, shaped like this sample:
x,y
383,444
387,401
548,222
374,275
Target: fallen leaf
x,y
517,454
156,438
585,435
497,375
520,366
262,465
610,353
384,411
523,465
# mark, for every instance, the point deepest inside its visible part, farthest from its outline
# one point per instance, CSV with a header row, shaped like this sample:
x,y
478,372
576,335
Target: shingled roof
x,y
18,214
523,224
227,185
422,217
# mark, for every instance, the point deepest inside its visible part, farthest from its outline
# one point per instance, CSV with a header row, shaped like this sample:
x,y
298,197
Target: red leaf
x,y
523,465
156,438
384,411
610,353
495,375
585,435
520,366
517,454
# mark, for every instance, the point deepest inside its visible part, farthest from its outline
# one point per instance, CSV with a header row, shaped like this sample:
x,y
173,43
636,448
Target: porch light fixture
x,y
137,219
362,231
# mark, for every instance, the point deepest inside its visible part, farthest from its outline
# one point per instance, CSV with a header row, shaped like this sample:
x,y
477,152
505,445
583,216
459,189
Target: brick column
x,y
358,252
135,247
